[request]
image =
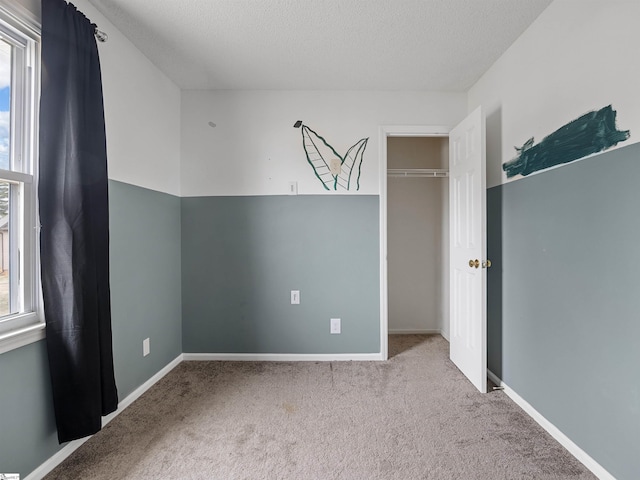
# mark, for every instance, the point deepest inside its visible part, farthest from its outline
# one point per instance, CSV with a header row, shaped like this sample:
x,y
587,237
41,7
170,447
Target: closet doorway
x,y
415,217
418,234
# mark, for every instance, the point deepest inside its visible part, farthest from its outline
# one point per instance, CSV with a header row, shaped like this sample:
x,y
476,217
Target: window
x,y
20,322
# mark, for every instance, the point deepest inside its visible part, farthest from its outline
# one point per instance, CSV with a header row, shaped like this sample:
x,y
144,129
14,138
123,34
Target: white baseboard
x,y
495,379
419,331
284,357
597,469
72,446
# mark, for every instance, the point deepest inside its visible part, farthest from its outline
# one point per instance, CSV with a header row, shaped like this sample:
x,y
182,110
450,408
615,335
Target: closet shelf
x,y
418,172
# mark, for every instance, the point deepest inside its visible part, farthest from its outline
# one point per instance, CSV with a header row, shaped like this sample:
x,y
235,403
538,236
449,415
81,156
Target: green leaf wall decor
x,y
335,172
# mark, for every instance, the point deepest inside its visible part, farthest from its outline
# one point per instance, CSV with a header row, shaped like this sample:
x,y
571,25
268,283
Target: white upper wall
x,y
254,150
142,113
142,110
576,57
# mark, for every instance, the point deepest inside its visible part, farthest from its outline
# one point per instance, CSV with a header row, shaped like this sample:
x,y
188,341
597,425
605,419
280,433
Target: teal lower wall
x,y
146,291
28,434
563,315
146,297
242,256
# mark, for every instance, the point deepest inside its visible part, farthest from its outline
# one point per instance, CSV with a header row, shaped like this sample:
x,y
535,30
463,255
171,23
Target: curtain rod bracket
x,y
100,35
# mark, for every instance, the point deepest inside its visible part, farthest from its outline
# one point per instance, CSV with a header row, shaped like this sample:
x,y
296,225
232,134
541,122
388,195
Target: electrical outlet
x,y
335,326
295,297
146,347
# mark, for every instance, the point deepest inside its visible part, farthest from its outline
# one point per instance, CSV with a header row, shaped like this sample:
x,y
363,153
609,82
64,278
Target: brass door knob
x,y
474,263
486,264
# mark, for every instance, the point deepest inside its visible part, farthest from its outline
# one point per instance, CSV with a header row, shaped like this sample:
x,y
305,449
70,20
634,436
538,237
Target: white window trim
x,y
25,328
17,15
33,331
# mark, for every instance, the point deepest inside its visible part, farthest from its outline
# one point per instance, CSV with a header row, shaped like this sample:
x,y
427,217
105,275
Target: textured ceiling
x,y
437,45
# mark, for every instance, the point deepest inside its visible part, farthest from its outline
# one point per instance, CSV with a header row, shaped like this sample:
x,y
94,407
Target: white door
x,y
467,224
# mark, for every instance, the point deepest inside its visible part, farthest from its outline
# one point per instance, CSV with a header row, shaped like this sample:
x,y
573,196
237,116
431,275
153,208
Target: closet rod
x,y
418,172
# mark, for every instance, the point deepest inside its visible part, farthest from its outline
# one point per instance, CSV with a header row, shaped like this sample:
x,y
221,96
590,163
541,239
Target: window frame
x,y
19,27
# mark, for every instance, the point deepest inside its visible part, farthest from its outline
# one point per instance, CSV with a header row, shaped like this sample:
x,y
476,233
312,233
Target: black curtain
x,y
74,217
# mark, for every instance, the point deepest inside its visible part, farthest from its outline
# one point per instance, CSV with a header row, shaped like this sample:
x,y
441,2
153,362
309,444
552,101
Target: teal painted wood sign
x,y
591,133
335,171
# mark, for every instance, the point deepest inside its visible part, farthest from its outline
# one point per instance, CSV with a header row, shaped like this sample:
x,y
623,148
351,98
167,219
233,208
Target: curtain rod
x,y
418,172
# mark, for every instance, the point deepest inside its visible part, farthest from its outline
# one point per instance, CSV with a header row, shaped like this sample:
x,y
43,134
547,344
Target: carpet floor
x,y
412,417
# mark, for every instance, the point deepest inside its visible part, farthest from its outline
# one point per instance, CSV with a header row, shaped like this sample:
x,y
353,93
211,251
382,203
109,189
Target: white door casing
x,y
467,234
